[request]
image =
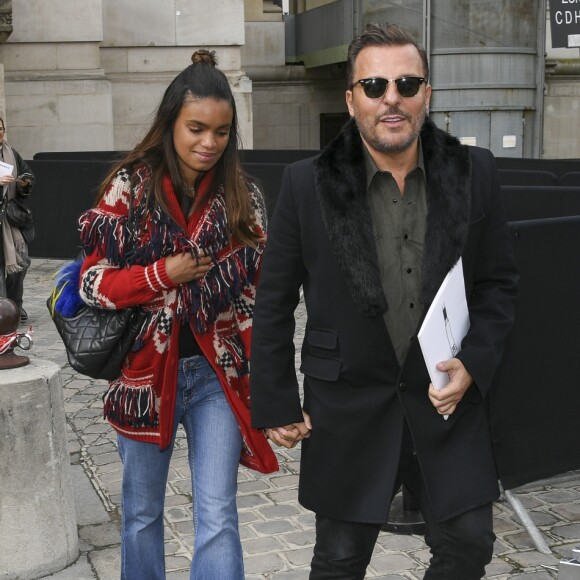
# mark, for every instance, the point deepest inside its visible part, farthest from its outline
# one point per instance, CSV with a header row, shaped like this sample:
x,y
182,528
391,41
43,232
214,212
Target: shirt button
x,y
409,270
406,237
411,305
402,386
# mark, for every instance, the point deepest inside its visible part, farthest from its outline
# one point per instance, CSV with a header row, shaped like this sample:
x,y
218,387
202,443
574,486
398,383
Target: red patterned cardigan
x,y
121,271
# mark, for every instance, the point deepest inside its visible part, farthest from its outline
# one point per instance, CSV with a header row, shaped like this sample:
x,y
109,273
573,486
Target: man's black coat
x,y
355,391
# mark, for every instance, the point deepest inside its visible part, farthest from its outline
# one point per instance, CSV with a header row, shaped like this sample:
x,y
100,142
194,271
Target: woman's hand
x,y
6,179
183,268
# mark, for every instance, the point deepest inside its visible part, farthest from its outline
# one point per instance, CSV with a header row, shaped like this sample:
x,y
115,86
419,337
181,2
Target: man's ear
x,y
348,98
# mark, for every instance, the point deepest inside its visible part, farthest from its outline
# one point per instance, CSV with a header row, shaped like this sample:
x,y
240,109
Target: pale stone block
x,y
126,137
78,87
287,137
264,44
253,10
114,60
563,89
293,95
17,88
85,110
76,138
23,57
198,24
25,140
78,55
263,94
243,107
150,60
56,21
141,110
33,110
146,23
276,114
246,132
177,23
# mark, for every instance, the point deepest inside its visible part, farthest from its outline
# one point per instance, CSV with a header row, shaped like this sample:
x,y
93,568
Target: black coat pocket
x,y
318,361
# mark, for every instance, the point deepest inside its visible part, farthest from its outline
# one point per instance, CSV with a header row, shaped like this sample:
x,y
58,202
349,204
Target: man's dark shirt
x,y
399,229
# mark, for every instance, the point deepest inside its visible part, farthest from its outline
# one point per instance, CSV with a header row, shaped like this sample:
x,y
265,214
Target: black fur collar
x,y
341,187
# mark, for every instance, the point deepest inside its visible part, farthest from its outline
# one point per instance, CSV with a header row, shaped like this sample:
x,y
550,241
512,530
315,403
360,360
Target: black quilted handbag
x,y
97,341
19,215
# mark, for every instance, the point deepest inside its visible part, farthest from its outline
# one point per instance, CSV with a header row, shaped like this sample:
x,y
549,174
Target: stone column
x,y
38,531
5,32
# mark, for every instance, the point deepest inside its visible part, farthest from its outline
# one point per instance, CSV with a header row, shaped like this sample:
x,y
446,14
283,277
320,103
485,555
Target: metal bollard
x,y
569,569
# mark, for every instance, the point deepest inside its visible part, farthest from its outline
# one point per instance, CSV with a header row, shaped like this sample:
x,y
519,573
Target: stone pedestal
x,y
38,531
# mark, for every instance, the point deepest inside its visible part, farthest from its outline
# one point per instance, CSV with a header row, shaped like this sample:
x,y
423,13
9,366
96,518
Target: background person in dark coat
x,y
370,228
14,260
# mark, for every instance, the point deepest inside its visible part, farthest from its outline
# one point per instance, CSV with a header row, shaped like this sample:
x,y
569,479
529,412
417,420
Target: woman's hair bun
x,y
203,55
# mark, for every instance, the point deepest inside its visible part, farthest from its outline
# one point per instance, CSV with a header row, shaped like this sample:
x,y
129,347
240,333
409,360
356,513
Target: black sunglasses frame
x,y
371,82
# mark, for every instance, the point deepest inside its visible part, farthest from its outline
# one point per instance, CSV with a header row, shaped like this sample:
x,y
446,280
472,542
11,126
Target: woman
x,y
192,264
15,261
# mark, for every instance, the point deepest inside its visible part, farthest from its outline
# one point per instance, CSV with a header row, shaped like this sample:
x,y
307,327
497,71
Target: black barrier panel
x,y
62,192
571,178
269,178
79,155
66,188
535,401
247,156
276,155
556,166
521,177
529,202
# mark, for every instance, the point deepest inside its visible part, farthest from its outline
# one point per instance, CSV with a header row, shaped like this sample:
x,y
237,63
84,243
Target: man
x,y
370,228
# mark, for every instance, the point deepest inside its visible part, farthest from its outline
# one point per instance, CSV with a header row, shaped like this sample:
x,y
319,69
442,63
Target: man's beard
x,y
391,143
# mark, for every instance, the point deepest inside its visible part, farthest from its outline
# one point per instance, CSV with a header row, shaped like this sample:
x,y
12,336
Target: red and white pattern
x,y
219,306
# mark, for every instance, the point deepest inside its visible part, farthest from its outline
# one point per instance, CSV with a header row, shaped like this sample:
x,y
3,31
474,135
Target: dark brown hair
x,y
382,35
200,80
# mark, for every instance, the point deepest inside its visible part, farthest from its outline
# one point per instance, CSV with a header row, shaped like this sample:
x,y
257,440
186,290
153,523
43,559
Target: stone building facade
x,y
89,75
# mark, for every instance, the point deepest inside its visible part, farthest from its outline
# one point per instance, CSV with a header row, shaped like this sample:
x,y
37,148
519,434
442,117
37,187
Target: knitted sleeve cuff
x,y
156,276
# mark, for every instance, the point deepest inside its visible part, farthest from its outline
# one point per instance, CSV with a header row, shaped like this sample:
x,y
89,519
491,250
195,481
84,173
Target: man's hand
x,y
289,435
445,400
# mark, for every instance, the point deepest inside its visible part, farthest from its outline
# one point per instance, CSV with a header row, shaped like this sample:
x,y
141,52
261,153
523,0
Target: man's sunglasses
x,y
375,87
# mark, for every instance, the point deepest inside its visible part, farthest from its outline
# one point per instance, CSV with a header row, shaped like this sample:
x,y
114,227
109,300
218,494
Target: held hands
x,y
183,268
445,400
289,435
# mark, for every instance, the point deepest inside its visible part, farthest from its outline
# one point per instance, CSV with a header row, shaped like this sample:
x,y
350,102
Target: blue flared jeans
x,y
214,446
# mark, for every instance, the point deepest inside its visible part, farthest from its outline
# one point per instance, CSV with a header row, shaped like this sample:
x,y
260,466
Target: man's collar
x,y
371,167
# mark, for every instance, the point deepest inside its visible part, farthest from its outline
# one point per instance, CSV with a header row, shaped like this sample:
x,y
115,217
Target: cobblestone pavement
x,y
277,533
